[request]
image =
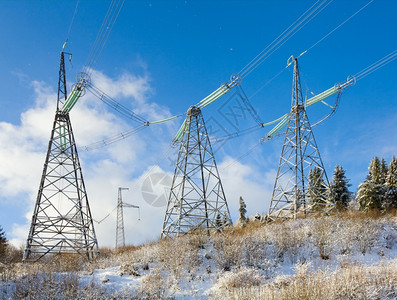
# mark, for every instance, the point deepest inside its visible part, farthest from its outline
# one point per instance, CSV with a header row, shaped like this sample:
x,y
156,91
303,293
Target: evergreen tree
x,y
242,210
3,241
317,190
390,200
370,195
218,222
258,217
383,171
339,189
371,192
225,220
375,174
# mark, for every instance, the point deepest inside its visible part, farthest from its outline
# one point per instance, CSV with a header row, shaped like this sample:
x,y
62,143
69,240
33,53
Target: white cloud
x,y
244,180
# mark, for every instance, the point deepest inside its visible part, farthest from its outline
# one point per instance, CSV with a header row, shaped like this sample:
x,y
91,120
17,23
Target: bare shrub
x,y
137,262
153,286
67,263
322,235
367,232
229,252
11,254
59,286
178,256
350,282
46,286
255,251
242,284
245,277
289,239
345,235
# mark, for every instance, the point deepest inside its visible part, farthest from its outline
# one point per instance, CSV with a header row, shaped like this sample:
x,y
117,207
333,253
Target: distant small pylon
x,y
120,236
301,184
196,197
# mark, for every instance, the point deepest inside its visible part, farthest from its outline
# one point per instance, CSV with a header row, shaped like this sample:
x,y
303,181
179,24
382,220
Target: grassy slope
x,y
349,256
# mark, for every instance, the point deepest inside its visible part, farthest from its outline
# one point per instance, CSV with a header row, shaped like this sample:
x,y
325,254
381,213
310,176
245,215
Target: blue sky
x,y
160,58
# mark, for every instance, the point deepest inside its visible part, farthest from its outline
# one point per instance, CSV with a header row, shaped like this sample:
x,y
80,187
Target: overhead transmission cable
x,y
107,25
311,47
78,90
337,27
313,11
103,34
377,65
113,139
114,104
306,17
71,24
296,26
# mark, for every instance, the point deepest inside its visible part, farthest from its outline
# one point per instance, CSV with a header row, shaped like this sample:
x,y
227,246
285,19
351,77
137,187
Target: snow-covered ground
x,y
254,262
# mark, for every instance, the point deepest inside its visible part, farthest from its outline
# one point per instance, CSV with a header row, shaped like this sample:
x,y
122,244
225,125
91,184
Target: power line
x,y
71,22
377,65
114,104
296,26
337,27
103,34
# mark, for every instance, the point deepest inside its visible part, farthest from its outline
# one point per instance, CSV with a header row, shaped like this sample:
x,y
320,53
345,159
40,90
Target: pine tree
x,y
3,241
390,200
371,192
242,211
317,191
339,189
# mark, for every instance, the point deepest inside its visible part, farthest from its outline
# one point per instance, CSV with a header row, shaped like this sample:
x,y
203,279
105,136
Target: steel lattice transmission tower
x,y
120,236
61,221
301,184
196,198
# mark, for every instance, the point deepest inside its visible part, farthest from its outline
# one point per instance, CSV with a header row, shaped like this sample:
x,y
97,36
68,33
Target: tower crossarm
x,y
336,89
129,205
78,91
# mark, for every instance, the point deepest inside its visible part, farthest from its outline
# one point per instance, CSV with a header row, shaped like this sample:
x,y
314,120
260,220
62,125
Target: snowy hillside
x,y
352,256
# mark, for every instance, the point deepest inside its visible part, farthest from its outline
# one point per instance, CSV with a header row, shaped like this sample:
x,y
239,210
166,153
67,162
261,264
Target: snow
x,y
257,257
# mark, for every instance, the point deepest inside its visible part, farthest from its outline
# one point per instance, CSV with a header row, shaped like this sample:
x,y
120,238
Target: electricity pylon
x,y
196,198
301,184
61,221
120,236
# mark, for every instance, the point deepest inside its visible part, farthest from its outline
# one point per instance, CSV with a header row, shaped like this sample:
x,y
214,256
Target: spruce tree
x,y
371,192
3,241
218,222
225,220
390,201
370,195
242,210
374,173
317,191
339,189
383,171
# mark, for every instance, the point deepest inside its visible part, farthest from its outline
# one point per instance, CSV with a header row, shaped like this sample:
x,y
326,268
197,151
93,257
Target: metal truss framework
x,y
61,221
197,199
120,236
301,184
